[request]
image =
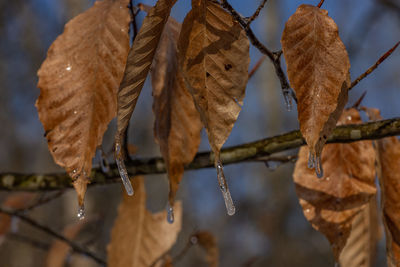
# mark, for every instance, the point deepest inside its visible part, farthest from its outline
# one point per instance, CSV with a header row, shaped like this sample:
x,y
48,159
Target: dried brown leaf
x,y
360,249
13,201
388,155
318,69
139,62
78,84
331,203
177,123
207,241
59,250
214,55
138,237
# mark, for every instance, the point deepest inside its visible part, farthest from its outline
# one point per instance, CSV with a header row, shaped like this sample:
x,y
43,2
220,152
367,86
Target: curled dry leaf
x,y
360,249
137,67
207,241
331,203
177,123
78,84
59,250
13,201
388,155
318,69
214,57
138,237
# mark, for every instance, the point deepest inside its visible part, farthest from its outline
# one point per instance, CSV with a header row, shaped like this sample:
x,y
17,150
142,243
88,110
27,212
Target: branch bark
x,y
246,152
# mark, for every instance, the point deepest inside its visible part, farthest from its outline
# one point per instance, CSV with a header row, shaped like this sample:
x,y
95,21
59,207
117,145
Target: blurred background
x,y
269,228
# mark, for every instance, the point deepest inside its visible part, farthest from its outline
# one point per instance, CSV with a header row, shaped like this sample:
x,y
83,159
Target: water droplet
x,y
75,112
170,213
193,240
122,169
308,210
348,118
288,100
81,213
318,167
105,167
327,178
272,165
69,67
311,160
230,207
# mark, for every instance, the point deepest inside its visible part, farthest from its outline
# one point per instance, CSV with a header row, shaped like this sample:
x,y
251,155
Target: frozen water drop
x,y
349,118
288,100
69,67
272,165
318,167
81,213
230,207
327,178
308,210
311,160
75,112
122,169
170,213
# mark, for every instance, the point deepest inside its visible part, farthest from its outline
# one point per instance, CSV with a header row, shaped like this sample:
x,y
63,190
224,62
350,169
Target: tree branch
x,y
246,152
75,247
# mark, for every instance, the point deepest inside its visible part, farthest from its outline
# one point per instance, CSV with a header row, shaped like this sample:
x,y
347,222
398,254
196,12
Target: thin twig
x,y
358,102
256,13
320,3
373,67
256,66
244,152
54,234
42,201
275,57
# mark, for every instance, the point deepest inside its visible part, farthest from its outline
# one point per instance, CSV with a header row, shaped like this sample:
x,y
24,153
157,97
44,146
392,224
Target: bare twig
x,y
321,3
256,66
358,102
45,229
373,67
275,57
256,13
245,152
42,201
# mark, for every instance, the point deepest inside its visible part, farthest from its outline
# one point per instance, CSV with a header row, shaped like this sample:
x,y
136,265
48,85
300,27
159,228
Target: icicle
x,y
318,167
288,99
81,213
230,207
272,165
170,213
105,167
311,160
122,169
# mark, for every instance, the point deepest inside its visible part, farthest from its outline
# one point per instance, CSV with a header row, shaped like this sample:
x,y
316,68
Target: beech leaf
x,y
138,237
78,84
360,249
177,123
388,158
209,243
13,201
137,67
331,203
318,69
214,57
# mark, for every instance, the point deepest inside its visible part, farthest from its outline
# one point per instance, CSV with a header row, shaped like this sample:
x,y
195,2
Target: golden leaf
x,y
138,237
331,203
360,249
214,57
78,84
139,61
177,123
207,241
318,70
